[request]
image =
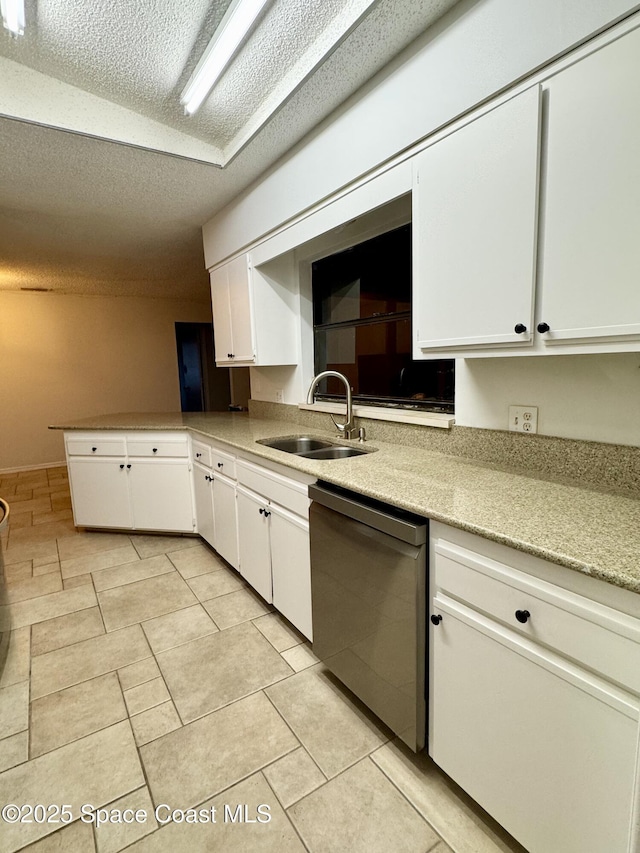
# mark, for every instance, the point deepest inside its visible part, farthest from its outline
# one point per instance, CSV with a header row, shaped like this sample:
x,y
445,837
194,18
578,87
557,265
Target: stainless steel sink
x,y
334,452
296,443
312,448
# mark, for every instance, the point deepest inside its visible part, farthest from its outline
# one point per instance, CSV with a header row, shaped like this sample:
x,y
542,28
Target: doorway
x,y
203,386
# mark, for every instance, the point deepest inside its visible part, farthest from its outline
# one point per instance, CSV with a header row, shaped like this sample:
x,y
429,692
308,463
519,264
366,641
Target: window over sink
x,y
362,328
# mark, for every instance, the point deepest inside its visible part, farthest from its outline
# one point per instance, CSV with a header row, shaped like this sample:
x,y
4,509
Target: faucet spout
x,y
348,428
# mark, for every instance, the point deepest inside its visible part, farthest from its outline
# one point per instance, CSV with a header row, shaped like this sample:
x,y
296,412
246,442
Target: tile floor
x,y
143,672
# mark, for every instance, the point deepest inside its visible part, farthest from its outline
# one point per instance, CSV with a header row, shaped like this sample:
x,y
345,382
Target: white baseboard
x,y
33,467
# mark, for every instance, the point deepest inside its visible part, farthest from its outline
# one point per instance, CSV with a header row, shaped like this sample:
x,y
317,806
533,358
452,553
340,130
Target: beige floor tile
x,y
113,837
41,562
132,571
300,657
52,515
235,607
66,630
41,532
75,712
366,814
88,659
210,672
45,568
16,667
137,673
151,546
75,838
454,816
276,836
198,560
79,580
60,500
146,696
216,583
155,723
197,761
14,709
49,606
294,776
14,750
34,587
348,731
18,571
126,553
96,769
280,633
50,489
137,602
23,519
174,629
47,550
41,504
85,544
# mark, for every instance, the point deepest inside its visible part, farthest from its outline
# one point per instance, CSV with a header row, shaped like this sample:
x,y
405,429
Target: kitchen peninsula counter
x,y
593,532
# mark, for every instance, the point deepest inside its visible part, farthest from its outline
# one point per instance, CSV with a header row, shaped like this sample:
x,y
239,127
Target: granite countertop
x,y
594,532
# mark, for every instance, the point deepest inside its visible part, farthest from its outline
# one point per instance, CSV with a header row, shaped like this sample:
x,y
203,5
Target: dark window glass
x,y
362,327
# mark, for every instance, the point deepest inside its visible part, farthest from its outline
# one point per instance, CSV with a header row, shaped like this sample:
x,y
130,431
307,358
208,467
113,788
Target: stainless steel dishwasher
x,y
368,589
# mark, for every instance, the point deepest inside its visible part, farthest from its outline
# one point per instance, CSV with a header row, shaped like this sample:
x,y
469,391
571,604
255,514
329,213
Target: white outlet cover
x,y
523,419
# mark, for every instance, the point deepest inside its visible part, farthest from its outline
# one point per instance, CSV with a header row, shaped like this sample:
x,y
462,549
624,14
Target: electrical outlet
x,y
523,419
280,396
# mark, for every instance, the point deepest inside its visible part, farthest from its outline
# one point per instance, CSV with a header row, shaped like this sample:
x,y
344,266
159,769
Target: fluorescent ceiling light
x,y
13,16
235,25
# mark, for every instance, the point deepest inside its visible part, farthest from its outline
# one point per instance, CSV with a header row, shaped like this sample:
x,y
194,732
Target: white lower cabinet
x,y
273,536
203,500
528,710
253,537
215,501
139,481
100,491
225,518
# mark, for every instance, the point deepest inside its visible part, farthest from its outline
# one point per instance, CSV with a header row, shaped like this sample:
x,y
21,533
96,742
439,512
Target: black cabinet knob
x,y
128,466
198,455
261,510
220,464
230,355
155,449
93,449
267,513
543,327
121,467
436,619
519,328
522,615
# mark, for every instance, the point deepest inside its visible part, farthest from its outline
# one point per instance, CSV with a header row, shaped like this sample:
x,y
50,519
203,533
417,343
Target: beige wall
x,y
67,357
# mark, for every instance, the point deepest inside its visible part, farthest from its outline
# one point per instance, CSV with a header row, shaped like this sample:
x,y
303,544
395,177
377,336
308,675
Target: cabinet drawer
x,y
201,453
599,638
223,463
287,493
96,446
158,447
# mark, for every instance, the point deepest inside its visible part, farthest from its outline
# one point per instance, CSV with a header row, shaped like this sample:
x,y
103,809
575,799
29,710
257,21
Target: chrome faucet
x,y
348,428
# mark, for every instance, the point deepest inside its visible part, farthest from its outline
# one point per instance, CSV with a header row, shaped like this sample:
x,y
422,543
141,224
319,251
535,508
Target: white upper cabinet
x,y
475,210
590,265
254,313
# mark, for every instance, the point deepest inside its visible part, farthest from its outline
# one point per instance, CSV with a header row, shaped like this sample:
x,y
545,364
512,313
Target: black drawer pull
x,y
220,464
93,449
261,510
520,328
129,466
436,619
522,615
122,467
198,455
155,449
543,328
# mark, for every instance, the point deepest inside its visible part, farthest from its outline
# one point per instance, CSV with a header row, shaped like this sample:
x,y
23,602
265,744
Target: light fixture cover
x,y
13,16
238,20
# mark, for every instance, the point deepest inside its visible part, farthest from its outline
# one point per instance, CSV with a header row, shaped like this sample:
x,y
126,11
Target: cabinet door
x,y
240,309
291,568
223,343
474,232
253,542
547,749
100,492
203,497
591,213
226,522
161,494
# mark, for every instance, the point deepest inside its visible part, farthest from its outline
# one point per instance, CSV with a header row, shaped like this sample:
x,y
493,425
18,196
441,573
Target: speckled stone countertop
x,y
594,532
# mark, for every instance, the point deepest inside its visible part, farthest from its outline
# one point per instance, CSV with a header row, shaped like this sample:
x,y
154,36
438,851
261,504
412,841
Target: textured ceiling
x,y
83,215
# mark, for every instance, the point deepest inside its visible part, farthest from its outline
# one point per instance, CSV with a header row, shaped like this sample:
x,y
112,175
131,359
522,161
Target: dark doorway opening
x,y
203,386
